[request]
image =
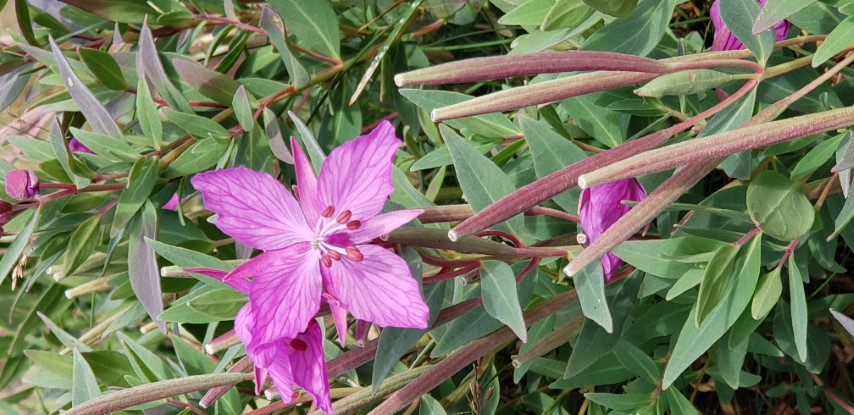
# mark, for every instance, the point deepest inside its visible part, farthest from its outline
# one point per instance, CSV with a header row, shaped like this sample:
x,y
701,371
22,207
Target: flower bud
x,y
76,146
600,206
5,212
22,184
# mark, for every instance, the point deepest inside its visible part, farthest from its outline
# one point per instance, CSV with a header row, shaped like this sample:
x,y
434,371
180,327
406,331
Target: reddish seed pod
x,y
328,212
353,225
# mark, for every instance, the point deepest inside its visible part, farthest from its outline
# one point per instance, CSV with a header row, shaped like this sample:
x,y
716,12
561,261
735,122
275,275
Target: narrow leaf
x,y
498,288
590,284
146,113
242,110
84,386
798,308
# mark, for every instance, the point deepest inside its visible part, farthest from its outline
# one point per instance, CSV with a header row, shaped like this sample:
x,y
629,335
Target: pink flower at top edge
x,y
600,206
725,40
319,244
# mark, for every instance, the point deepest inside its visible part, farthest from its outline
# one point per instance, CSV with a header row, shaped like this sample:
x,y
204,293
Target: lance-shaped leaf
x,y
119,11
146,113
12,84
104,67
500,299
275,139
616,8
142,264
798,299
97,116
590,284
717,145
16,248
768,291
738,15
148,64
242,109
78,172
141,181
84,386
540,93
846,322
648,22
527,64
837,41
275,29
210,83
314,23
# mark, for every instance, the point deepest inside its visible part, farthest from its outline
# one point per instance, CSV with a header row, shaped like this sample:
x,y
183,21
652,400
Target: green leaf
x,y
837,41
528,13
274,27
777,10
590,284
500,299
716,281
601,124
72,168
146,113
120,11
104,67
195,125
567,14
679,404
105,145
314,23
64,337
200,156
738,15
242,110
143,273
768,291
147,365
620,402
647,21
84,386
208,82
637,361
141,181
83,241
483,183
97,116
798,308
148,64
656,256
778,207
816,157
616,8
16,248
551,152
694,341
222,302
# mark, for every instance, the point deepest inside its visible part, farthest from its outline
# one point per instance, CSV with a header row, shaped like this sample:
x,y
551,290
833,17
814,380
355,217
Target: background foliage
x,y
709,315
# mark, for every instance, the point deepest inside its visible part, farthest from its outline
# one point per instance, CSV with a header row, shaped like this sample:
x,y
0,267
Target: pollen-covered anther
x,y
328,212
326,260
334,255
353,253
344,217
353,225
299,345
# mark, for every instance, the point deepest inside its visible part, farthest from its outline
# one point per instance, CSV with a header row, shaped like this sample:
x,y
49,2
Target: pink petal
x,y
379,289
306,185
382,224
610,264
285,294
279,368
242,327
309,366
253,207
260,378
339,316
172,204
357,175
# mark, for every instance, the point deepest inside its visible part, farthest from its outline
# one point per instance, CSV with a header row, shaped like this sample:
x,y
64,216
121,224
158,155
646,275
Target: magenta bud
x,y
5,212
76,146
22,184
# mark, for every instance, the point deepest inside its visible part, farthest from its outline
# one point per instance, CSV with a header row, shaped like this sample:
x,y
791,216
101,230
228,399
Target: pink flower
x,y
725,40
22,184
78,147
319,244
172,204
600,206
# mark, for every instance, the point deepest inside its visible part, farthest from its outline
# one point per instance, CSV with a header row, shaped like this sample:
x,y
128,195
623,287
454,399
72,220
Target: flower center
x,y
331,239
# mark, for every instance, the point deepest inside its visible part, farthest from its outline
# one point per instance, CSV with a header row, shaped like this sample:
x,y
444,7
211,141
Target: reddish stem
x,y
788,252
748,236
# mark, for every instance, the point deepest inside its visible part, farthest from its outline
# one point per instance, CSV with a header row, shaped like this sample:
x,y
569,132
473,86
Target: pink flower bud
x,y
725,40
22,184
600,206
78,147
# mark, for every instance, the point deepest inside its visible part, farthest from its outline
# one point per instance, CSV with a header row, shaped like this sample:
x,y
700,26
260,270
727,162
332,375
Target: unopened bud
x,y
22,184
5,212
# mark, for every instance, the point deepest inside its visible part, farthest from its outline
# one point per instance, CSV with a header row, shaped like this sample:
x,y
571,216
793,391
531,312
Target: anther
x,y
353,253
299,345
334,255
353,225
327,213
344,217
326,261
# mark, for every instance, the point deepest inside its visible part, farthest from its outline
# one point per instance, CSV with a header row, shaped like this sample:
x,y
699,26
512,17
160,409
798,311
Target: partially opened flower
x,y
600,206
320,243
725,40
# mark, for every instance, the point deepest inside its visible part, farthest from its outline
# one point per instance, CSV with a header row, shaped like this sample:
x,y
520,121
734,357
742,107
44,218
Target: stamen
x,y
327,213
334,255
326,261
299,345
344,217
353,253
353,225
